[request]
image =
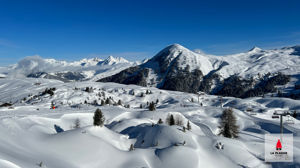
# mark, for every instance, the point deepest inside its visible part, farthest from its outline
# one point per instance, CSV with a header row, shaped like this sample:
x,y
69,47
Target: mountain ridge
x,y
211,74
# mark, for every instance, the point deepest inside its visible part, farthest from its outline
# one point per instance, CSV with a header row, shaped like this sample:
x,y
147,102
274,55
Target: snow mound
x,y
7,164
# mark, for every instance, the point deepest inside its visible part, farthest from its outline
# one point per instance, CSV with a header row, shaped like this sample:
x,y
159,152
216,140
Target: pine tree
x,y
295,114
107,101
183,128
98,118
170,120
188,126
157,101
179,120
141,106
120,103
152,106
102,103
77,123
160,121
228,127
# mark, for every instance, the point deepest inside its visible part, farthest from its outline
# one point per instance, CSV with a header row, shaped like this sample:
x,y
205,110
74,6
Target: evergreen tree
x,y
107,101
77,123
179,120
170,120
141,106
183,129
102,103
188,126
295,114
120,103
228,127
98,118
157,101
160,121
152,106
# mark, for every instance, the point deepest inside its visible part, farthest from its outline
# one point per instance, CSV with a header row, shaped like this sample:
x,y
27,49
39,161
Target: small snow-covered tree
x,y
102,103
160,121
98,118
295,114
179,120
228,126
120,103
152,106
188,126
170,120
77,123
107,101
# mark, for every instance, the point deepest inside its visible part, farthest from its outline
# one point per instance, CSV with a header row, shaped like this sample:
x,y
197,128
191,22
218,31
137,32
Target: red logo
x,y
278,145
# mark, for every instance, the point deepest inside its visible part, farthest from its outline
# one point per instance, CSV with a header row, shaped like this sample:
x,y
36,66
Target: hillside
x,y
28,137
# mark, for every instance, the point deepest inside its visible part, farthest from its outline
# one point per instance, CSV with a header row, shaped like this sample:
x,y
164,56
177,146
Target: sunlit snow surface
x,y
28,137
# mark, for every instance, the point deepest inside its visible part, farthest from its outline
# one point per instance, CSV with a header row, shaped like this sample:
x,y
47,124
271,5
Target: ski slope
x,y
28,138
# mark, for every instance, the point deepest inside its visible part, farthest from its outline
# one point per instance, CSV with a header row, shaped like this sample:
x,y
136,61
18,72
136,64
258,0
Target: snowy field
x,y
28,138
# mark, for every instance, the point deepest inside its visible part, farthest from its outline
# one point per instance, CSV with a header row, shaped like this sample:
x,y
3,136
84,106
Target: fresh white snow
x,y
28,137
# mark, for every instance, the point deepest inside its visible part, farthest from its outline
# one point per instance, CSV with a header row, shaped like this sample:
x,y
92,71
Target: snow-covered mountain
x,y
241,75
35,66
250,71
256,60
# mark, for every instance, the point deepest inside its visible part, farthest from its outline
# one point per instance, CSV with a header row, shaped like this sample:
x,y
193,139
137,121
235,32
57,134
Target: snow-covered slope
x,y
28,138
260,61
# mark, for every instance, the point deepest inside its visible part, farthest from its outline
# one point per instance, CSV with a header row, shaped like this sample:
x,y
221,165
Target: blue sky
x,y
75,29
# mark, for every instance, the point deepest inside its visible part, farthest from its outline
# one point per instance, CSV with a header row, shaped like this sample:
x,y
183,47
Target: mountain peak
x,y
255,49
110,60
175,47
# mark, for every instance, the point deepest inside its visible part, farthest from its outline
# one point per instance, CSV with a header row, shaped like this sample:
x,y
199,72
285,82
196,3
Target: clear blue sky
x,y
74,29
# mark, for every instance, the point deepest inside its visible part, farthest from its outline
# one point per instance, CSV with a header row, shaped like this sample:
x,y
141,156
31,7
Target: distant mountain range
x,y
253,73
85,69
